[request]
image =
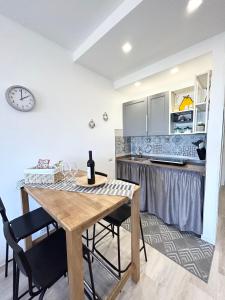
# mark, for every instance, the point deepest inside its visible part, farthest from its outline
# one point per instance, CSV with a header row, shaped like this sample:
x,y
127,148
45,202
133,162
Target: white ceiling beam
x,y
190,53
112,20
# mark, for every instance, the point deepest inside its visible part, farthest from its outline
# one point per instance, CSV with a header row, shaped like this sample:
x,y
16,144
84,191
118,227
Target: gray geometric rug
x,y
186,249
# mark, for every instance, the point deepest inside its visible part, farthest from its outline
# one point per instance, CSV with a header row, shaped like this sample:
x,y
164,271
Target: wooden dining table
x,y
75,212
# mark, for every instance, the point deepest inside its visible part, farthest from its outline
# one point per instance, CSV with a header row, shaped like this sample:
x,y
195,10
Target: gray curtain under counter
x,y
175,196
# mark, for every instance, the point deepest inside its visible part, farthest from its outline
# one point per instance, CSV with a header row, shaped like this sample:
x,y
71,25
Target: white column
x,y
214,143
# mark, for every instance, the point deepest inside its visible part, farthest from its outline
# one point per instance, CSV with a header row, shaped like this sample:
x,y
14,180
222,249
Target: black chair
x,y
115,219
86,236
26,225
43,264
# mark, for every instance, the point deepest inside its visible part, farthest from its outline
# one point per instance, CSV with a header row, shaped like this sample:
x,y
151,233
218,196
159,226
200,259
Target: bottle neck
x,y
90,155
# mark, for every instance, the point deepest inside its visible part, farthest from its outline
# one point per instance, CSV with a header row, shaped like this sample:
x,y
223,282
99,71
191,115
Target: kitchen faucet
x,y
139,152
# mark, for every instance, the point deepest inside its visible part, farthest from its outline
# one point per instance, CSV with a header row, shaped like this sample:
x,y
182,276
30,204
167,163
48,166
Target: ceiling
x,y
165,80
66,22
155,28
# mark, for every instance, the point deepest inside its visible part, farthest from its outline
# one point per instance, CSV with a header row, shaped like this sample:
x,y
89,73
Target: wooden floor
x,y
161,278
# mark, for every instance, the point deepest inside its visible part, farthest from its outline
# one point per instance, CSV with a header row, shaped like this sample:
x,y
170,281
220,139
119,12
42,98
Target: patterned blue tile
x,y
166,145
122,145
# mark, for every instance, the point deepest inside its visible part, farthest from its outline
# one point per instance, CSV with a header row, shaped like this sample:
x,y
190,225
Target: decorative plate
x,y
83,181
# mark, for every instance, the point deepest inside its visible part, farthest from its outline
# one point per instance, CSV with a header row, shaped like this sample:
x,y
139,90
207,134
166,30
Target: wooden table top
x,y
76,211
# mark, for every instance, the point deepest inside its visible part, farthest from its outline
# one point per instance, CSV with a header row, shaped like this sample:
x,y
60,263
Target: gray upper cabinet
x,y
158,114
134,118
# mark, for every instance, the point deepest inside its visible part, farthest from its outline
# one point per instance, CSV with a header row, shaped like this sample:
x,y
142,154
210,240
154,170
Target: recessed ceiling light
x,y
127,47
193,5
174,70
137,83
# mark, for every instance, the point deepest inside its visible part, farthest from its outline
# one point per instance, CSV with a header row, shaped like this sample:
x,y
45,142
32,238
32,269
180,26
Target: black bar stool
x,y
43,264
86,236
26,225
115,219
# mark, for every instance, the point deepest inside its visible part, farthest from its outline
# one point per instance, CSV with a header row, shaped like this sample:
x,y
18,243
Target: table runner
x,y
112,187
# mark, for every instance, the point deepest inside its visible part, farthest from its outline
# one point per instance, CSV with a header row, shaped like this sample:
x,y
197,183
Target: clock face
x,y
20,98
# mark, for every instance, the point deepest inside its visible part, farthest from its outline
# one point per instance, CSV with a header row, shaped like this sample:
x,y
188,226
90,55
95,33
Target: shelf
x,y
182,122
182,111
198,112
200,103
188,133
184,133
199,132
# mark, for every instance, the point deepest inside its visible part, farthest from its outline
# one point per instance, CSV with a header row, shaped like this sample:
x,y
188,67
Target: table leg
x,y
135,234
26,209
75,265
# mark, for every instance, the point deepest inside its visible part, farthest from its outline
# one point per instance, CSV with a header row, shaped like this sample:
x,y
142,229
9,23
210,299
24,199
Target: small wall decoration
x,y
91,124
105,116
186,104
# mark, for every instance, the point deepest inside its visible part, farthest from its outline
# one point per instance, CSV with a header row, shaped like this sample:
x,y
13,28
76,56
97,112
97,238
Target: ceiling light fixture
x,y
137,83
127,47
193,5
174,70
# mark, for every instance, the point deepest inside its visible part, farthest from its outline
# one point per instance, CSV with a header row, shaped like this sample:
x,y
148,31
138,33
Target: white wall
x,y
68,96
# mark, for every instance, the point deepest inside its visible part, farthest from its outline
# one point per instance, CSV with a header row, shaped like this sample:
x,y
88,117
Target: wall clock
x,y
20,98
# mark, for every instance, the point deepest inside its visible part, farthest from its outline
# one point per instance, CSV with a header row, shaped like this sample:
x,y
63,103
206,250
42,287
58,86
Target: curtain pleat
x,y
176,196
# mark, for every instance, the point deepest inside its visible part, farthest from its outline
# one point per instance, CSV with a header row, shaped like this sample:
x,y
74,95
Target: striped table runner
x,y
112,187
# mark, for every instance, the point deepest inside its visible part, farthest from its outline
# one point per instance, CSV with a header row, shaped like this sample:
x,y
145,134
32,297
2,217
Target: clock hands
x,y
25,97
21,95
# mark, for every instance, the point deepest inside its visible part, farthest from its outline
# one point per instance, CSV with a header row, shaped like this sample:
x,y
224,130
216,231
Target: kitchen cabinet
x,y
158,114
147,116
134,118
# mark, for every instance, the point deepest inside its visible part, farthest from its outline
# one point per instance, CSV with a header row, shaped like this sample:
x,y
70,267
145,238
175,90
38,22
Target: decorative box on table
x,y
38,175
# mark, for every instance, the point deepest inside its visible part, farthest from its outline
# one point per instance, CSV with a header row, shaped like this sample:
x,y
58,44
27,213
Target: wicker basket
x,y
34,175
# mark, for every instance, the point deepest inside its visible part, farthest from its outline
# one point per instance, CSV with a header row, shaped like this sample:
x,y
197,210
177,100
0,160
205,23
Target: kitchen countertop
x,y
191,164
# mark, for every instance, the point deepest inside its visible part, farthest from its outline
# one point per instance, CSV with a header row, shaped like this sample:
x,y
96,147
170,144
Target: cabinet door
x,y
134,118
158,114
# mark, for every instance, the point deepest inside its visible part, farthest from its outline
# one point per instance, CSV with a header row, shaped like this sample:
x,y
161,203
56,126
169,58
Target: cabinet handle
x,y
146,123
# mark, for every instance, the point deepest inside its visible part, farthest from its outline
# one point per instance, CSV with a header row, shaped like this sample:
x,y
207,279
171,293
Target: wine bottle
x,y
90,169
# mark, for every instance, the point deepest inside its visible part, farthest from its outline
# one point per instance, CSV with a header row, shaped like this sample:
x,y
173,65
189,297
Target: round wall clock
x,y
20,98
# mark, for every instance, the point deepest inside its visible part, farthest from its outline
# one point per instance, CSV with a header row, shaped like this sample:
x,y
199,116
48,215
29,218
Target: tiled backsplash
x,y
178,145
123,145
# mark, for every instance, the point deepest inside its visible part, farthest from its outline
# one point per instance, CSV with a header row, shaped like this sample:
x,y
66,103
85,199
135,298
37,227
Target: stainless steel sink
x,y
136,158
